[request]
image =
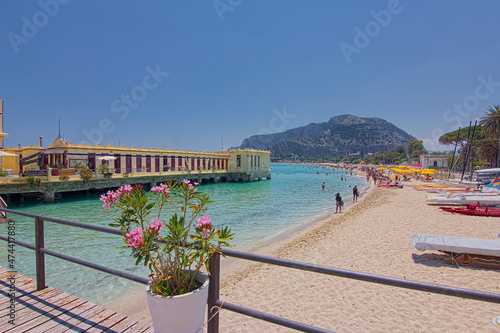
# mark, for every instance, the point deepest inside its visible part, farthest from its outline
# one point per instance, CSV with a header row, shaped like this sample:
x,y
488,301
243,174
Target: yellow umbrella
x,y
427,172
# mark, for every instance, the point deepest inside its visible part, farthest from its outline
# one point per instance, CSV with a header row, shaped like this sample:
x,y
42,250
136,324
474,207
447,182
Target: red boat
x,y
474,210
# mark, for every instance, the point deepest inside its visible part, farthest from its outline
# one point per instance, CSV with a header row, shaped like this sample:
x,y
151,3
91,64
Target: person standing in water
x,y
355,194
338,203
323,185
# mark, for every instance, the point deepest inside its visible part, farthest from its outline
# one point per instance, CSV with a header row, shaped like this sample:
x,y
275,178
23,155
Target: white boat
x,y
459,196
485,176
464,200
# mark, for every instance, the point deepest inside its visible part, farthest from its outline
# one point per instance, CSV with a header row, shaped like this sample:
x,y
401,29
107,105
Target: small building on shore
x,y
430,161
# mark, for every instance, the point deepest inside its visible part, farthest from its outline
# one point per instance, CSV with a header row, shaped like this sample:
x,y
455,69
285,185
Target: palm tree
x,y
491,126
487,149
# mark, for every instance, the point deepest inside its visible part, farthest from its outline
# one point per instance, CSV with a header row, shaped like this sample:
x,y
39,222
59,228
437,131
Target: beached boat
x,y
464,200
446,189
432,198
473,210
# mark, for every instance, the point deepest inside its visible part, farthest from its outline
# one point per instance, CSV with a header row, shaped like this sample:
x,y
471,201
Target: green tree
x,y
451,137
416,148
491,126
401,150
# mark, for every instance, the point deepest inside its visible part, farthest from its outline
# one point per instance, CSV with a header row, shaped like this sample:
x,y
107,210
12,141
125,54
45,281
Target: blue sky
x,y
181,74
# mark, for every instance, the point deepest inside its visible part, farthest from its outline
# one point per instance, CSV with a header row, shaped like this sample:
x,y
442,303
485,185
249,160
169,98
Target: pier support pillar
x,y
49,195
250,179
260,179
216,180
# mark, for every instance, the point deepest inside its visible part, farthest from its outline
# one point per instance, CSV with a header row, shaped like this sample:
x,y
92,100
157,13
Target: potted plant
x,y
178,290
34,180
86,175
125,175
64,177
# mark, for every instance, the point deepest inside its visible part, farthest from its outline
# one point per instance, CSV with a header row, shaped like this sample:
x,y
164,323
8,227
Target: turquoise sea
x,y
255,211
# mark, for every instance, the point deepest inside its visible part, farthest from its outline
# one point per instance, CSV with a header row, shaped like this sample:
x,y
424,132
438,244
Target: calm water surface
x,y
255,212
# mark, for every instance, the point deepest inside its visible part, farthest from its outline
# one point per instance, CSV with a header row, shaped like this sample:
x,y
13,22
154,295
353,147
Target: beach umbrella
x,y
2,153
106,158
427,172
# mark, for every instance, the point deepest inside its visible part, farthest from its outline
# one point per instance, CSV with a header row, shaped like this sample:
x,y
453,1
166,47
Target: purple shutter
x,y
138,162
128,163
118,163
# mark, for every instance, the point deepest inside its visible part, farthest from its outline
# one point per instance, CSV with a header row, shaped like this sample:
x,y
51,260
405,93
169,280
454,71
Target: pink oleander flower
x,y
103,198
205,224
206,233
196,184
188,183
125,189
161,188
106,206
135,238
156,226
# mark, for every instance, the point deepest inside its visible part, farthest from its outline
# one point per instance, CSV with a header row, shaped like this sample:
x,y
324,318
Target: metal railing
x,y
214,301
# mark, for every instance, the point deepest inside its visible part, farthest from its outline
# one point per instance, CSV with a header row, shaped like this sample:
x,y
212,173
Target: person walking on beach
x,y
338,203
355,194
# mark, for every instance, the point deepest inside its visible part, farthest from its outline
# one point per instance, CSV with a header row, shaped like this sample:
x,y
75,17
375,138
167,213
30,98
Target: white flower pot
x,y
182,313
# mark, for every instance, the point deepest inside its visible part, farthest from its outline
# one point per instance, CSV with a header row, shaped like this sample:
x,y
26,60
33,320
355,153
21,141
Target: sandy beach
x,y
372,236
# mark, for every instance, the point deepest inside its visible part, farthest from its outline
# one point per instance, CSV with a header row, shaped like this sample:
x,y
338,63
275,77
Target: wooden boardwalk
x,y
51,310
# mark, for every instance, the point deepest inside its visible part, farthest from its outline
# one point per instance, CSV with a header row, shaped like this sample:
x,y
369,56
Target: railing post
x,y
213,293
40,256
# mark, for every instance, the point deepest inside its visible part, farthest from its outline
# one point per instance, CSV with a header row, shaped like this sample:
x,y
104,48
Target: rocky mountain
x,y
341,135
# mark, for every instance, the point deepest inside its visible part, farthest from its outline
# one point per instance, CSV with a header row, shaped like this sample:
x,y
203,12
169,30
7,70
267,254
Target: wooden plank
x,y
83,319
5,293
22,300
51,310
94,321
30,320
30,313
139,327
122,325
5,298
19,282
108,323
46,325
